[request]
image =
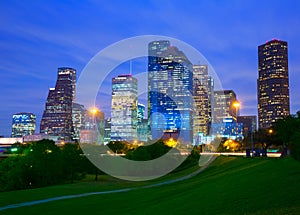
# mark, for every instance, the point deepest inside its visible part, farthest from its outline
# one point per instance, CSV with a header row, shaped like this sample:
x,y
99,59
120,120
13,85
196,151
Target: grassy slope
x,y
229,186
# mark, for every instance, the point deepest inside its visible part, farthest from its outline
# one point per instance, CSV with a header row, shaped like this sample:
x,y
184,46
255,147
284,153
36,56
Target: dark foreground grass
x,y
231,185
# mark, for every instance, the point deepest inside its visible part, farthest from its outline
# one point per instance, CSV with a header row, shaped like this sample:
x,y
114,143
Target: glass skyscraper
x,y
141,112
57,116
124,108
273,83
23,124
170,89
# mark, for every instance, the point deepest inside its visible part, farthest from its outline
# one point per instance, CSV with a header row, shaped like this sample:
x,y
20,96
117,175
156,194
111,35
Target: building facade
x,y
23,124
229,128
141,112
249,124
79,115
93,129
142,124
170,88
272,83
57,116
124,108
107,131
202,100
224,107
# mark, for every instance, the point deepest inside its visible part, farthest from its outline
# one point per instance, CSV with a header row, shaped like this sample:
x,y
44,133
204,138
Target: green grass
x,y
231,185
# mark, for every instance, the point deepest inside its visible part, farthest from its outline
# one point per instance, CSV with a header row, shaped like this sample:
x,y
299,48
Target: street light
x,y
93,111
236,105
270,131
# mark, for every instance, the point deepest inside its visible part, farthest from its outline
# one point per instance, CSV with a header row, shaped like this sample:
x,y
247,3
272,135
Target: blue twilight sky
x,y
37,37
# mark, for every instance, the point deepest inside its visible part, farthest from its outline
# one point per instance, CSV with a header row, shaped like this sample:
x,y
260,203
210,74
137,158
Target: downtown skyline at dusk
x,y
39,37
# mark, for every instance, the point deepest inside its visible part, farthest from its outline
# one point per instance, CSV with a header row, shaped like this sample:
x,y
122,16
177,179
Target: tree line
x,y
43,163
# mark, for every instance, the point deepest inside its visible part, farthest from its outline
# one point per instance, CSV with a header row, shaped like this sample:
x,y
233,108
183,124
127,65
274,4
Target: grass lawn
x,y
231,185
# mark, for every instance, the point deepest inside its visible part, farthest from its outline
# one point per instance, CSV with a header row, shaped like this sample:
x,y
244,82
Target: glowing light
x,y
270,131
93,110
48,151
236,104
14,149
171,142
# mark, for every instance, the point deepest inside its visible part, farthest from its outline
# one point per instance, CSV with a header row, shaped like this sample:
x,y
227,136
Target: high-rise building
x,y
107,130
124,108
170,88
211,101
93,128
141,112
23,124
57,116
79,119
249,124
142,125
202,100
272,83
224,107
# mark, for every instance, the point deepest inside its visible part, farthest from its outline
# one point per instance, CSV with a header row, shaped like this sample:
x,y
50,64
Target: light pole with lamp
x,y
93,111
236,105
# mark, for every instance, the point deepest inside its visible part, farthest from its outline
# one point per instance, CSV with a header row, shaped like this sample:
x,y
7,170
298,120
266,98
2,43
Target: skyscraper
x,y
170,77
93,129
79,114
57,116
224,105
272,83
124,108
107,131
142,125
23,124
141,112
202,112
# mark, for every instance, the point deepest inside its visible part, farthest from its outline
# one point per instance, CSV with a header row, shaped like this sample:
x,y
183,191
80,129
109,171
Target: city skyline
x,y
33,47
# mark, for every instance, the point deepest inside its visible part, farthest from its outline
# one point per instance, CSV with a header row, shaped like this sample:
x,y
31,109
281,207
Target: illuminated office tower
x,y
79,114
57,116
224,107
142,125
272,83
23,124
124,108
93,129
107,130
211,100
202,112
140,112
170,88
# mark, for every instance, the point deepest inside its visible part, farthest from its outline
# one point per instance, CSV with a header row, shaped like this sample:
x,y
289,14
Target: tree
x,y
287,131
150,152
72,161
295,145
45,162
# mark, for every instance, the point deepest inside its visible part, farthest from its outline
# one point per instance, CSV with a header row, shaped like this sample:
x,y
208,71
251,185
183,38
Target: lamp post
x,y
251,139
236,105
93,111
